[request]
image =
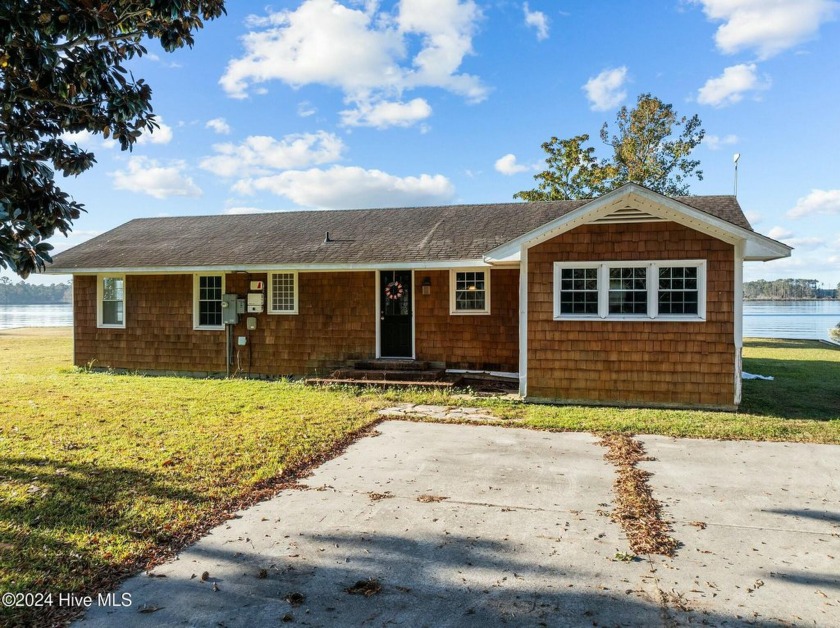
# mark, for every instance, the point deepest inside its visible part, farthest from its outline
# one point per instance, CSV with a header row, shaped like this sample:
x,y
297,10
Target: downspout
x,y
739,315
523,321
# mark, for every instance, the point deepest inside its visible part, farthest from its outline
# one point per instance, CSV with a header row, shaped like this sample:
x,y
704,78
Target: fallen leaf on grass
x,y
368,587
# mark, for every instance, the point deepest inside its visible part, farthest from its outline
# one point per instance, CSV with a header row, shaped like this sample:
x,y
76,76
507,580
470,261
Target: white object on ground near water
x,y
745,375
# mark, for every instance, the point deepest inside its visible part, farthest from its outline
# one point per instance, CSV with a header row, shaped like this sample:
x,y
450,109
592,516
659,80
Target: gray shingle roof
x,y
371,236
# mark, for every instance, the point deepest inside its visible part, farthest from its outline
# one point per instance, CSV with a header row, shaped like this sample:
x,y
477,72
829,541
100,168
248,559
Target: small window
x,y
579,291
208,291
111,297
282,293
470,292
678,290
628,291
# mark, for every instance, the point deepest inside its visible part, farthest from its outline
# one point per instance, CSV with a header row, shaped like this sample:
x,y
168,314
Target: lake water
x,y
762,319
36,316
790,319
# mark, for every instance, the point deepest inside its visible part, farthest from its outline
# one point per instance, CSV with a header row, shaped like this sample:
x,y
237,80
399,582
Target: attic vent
x,y
628,214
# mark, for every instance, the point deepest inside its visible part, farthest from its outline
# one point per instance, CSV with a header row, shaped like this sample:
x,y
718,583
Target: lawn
x,y
102,474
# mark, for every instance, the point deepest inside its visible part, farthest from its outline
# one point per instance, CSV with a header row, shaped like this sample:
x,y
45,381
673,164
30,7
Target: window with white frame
x,y
578,291
282,293
663,290
110,292
628,293
207,301
469,291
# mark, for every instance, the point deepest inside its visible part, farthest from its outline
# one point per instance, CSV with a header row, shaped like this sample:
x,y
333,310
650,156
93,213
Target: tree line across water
x,y
22,293
789,289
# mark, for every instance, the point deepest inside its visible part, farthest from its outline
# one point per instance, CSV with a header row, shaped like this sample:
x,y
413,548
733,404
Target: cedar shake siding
x,y
632,362
468,341
159,331
336,323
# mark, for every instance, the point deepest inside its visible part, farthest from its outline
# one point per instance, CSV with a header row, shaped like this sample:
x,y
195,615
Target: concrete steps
x,y
389,372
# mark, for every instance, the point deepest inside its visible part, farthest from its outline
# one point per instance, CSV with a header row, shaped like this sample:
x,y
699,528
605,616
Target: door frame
x,y
378,272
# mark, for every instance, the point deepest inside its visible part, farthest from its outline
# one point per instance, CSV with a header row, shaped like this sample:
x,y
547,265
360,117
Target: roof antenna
x,y
327,238
735,159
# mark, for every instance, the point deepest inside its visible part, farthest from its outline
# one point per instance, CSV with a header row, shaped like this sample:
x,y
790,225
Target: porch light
x,y
427,285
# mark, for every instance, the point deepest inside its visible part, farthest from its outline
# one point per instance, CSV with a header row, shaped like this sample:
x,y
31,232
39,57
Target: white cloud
x,y
537,20
766,27
363,51
730,87
219,125
305,109
807,242
754,217
343,187
235,211
148,176
779,233
81,138
606,90
161,135
260,154
715,142
817,202
508,165
386,114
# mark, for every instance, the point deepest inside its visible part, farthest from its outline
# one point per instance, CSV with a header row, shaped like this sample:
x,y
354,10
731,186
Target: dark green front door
x,y
395,314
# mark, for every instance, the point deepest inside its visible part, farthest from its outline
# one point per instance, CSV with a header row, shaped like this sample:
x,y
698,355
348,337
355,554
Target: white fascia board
x,y
758,247
263,268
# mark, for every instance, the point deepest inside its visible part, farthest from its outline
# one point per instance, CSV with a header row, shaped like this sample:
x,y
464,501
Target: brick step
x,y
324,381
385,364
392,375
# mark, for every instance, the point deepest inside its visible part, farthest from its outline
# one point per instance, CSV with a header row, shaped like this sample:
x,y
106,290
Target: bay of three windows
x,y
673,290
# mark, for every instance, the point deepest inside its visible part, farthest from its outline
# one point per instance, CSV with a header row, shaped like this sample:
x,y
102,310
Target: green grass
x,y
101,473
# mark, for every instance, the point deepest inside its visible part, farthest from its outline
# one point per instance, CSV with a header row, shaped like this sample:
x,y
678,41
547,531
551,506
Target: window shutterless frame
x,y
469,291
208,289
110,301
661,290
283,292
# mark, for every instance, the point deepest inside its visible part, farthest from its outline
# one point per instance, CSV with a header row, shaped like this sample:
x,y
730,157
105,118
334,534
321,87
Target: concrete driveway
x,y
476,525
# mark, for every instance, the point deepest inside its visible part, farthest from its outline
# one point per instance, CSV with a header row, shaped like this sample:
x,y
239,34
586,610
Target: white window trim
x,y
294,274
652,291
100,293
196,293
453,273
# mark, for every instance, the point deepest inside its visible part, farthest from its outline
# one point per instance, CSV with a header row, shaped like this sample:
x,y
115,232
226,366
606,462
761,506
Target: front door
x,y
395,314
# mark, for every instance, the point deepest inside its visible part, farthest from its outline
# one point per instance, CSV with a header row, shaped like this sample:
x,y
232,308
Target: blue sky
x,y
351,103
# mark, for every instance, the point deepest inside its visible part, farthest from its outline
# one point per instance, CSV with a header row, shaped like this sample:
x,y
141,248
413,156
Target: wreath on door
x,y
394,290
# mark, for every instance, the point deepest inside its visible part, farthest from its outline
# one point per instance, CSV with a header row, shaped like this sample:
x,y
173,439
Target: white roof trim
x,y
263,268
758,247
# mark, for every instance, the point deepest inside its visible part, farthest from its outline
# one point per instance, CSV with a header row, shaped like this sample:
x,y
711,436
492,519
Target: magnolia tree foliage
x,y
61,72
645,149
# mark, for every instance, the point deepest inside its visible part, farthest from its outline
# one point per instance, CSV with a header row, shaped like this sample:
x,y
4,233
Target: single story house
x,y
630,298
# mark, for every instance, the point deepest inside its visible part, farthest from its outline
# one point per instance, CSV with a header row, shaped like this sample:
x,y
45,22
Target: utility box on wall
x,y
230,315
256,302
